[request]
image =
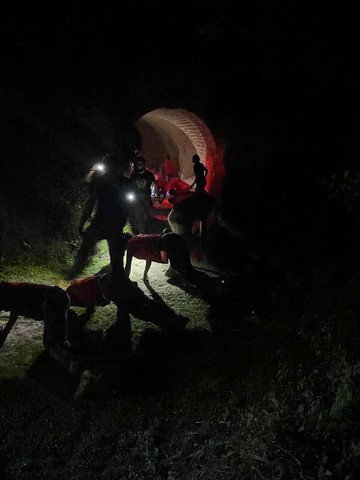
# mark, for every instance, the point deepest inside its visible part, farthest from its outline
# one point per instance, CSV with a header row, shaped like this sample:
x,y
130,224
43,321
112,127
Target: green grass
x,y
50,271
280,404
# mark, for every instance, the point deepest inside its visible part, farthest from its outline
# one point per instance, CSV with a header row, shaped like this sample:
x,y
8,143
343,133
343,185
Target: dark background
x,y
276,84
273,390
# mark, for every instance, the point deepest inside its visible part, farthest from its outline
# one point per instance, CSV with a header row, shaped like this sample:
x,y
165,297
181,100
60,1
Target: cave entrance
x,y
180,134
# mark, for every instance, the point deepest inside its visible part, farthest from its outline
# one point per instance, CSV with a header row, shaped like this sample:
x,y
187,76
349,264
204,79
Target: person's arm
x,y
191,186
88,209
156,188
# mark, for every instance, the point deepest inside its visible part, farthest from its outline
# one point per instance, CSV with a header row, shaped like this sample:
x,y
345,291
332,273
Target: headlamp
x,y
130,197
100,167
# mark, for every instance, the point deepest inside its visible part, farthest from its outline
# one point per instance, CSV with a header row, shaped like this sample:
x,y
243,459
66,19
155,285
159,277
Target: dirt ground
x,y
124,416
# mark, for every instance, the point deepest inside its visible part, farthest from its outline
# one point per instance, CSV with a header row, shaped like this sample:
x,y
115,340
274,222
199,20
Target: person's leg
x,y
148,220
179,257
138,215
86,250
178,253
148,211
116,244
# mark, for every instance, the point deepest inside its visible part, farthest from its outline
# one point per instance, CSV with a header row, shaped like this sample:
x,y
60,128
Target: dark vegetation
x,y
272,392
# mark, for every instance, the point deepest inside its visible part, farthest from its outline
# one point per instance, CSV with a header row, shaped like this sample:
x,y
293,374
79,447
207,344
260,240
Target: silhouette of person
x,y
142,180
108,197
168,168
200,172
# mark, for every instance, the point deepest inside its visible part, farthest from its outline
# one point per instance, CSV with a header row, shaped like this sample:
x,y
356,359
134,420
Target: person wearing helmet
x,y
108,194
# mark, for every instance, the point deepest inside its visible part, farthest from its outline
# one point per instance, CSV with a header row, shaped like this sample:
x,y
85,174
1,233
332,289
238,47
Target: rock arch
x,y
180,134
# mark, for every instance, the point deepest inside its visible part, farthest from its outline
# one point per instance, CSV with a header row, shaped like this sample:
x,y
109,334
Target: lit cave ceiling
x,y
180,134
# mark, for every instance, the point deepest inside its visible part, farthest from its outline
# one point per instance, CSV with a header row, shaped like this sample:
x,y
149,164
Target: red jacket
x,y
85,292
147,247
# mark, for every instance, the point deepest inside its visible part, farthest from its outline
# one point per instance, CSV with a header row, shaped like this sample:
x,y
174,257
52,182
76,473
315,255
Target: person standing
x,y
169,169
142,208
108,198
200,172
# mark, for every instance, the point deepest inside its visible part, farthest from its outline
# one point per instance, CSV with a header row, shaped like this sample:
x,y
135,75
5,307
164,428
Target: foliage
x,y
345,187
317,407
41,194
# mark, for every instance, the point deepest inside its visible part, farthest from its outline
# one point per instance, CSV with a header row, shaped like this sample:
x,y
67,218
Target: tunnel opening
x,y
178,134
